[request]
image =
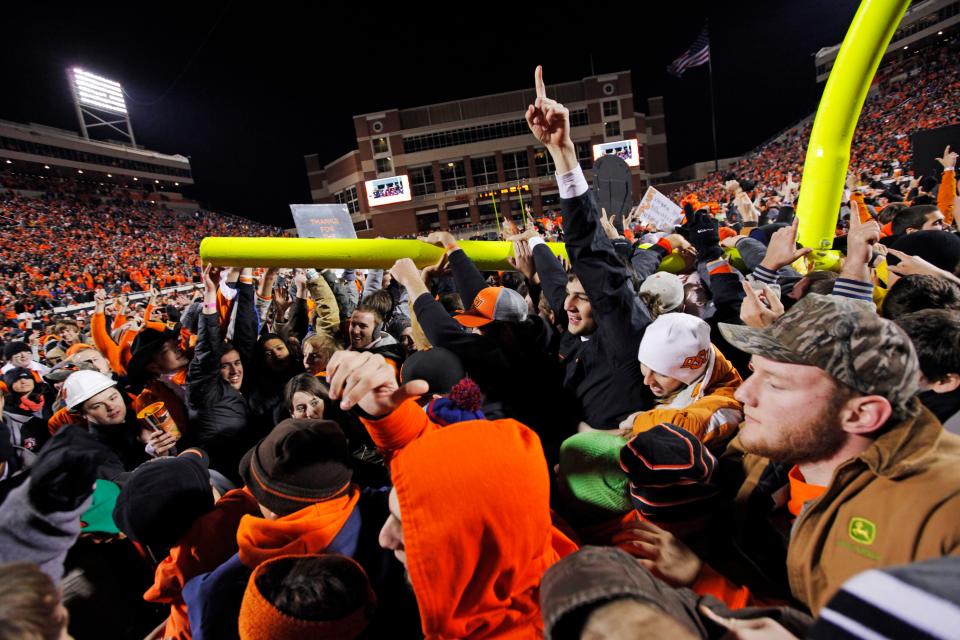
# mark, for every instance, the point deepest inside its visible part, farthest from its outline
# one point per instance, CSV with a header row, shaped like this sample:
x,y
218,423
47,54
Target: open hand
x,y
661,552
366,380
522,259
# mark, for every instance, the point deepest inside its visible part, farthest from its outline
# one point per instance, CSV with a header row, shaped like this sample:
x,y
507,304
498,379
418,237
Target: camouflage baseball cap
x,y
845,338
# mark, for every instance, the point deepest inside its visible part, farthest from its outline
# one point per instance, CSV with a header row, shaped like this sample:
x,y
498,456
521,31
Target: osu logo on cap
x,y
695,362
477,301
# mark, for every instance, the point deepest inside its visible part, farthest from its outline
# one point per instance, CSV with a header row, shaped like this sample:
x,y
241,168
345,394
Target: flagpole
x,y
713,112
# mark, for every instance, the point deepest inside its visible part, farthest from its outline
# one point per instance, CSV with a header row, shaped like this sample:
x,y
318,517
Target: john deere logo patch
x,y
862,530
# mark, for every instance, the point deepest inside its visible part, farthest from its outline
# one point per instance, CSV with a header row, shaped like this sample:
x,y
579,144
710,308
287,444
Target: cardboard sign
x,y
323,221
659,211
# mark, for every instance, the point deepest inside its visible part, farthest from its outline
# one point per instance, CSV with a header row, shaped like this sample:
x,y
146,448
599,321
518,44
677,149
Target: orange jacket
x,y
475,509
946,195
207,544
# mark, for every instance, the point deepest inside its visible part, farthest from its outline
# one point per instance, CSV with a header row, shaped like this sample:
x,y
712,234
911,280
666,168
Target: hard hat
x,y
83,385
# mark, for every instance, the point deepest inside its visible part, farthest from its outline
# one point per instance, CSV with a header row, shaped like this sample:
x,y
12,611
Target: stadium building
x,y
40,151
453,164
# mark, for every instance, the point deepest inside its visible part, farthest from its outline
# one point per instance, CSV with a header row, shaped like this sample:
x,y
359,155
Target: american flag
x,y
696,55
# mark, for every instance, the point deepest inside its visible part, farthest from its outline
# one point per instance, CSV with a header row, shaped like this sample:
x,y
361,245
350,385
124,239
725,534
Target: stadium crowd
x,y
917,91
750,446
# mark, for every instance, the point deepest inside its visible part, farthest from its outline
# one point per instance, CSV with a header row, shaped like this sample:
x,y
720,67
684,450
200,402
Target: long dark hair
x,y
305,383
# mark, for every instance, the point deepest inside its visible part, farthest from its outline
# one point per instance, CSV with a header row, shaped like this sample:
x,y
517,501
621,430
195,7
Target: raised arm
x,y
467,277
245,324
365,381
327,312
204,368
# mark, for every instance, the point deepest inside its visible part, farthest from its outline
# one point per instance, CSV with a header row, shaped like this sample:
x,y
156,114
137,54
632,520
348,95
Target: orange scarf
x,y
310,530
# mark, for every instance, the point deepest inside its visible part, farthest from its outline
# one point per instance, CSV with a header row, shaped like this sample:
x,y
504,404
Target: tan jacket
x,y
326,314
897,502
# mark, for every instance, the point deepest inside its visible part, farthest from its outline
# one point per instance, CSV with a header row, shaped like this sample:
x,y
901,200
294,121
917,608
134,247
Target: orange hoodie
x,y
475,509
207,544
310,530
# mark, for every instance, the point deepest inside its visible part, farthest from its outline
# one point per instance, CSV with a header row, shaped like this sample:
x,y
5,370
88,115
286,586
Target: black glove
x,y
63,475
704,236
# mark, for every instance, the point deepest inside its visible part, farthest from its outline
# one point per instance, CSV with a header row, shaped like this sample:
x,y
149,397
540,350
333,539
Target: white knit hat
x,y
677,345
665,286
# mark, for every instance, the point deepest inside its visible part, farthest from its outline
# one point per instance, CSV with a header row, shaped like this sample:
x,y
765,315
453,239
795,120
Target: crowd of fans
x,y
917,91
684,432
57,249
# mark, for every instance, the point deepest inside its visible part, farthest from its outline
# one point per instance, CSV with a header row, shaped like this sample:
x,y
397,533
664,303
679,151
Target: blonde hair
x,y
29,603
654,304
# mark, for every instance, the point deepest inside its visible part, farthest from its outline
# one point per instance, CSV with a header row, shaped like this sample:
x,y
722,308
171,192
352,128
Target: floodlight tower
x,y
99,103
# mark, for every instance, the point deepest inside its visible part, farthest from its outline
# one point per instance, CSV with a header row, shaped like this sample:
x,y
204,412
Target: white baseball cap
x,y
667,287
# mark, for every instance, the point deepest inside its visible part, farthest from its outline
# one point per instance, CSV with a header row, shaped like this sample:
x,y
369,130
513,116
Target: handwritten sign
x,y
659,211
323,221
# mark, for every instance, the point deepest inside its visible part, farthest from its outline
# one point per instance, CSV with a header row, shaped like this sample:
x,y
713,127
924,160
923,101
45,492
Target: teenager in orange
x,y
470,508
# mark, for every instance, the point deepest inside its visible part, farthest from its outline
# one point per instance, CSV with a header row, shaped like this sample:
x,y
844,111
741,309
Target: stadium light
x,y
109,175
46,166
98,92
9,161
79,170
94,98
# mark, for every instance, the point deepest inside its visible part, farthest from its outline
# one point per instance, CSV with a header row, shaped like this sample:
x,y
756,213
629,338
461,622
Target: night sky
x,y
245,93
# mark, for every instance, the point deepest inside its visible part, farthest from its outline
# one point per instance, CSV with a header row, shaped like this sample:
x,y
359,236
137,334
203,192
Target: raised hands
x,y
99,300
366,380
443,239
606,222
745,206
300,281
549,121
949,159
861,238
915,265
428,273
529,232
405,272
522,259
782,249
760,310
211,282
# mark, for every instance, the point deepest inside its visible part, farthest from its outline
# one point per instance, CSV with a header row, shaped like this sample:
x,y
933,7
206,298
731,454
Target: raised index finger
x,y
538,80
